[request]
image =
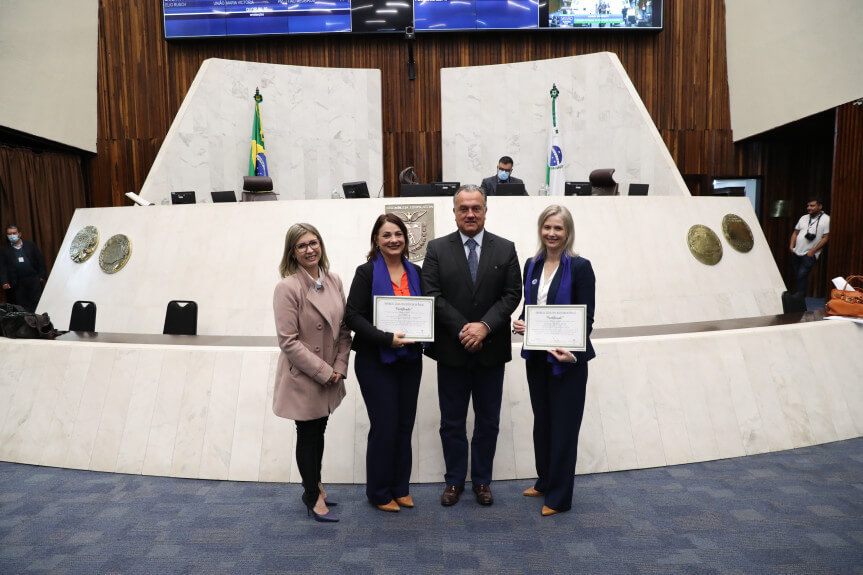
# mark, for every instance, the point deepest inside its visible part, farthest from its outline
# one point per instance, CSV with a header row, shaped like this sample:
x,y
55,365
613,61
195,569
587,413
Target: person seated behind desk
x,y
504,171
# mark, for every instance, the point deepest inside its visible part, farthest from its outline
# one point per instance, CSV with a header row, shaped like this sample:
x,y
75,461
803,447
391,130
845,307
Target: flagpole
x,y
554,94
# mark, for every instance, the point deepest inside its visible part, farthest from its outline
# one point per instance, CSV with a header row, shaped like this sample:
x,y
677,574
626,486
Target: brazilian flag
x,y
258,157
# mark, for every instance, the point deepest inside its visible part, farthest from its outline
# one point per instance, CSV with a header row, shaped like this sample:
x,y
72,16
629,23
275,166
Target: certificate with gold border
x,y
552,326
410,315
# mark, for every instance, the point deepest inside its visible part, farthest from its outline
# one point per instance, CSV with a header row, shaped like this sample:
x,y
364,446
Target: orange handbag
x,y
847,301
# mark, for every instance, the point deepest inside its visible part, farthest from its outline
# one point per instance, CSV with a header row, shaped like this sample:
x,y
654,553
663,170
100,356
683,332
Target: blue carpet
x,y
797,511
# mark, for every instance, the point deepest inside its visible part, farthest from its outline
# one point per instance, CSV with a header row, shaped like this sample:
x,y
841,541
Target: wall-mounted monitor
x,y
208,18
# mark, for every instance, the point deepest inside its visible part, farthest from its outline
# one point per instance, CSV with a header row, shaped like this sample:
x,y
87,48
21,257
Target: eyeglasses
x,y
508,171
314,244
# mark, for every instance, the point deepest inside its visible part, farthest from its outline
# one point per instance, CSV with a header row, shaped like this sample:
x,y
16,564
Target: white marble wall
x,y
226,257
505,109
322,127
198,412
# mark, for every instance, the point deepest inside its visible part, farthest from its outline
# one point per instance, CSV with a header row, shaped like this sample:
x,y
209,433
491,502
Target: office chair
x,y
181,318
602,183
83,316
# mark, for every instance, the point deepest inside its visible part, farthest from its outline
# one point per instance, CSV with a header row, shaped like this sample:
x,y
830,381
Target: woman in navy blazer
x,y
557,379
388,366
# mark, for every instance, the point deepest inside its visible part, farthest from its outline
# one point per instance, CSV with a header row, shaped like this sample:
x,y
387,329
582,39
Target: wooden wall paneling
x,y
845,253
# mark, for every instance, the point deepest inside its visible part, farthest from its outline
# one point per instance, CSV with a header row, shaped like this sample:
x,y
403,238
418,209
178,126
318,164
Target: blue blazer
x,y
583,293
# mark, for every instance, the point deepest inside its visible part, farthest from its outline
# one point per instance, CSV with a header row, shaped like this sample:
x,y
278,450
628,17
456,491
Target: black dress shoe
x,y
450,495
483,494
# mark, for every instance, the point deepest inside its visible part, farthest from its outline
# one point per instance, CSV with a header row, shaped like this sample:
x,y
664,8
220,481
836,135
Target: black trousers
x,y
310,453
456,386
558,408
26,292
390,392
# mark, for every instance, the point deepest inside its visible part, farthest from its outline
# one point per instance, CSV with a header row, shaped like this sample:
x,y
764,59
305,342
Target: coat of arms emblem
x,y
419,221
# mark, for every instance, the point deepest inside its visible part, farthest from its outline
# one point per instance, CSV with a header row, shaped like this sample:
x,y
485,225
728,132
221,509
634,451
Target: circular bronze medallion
x,y
737,232
115,253
704,244
84,244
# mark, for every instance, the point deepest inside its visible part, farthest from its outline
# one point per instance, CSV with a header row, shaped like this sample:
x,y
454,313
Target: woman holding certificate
x,y
557,377
388,366
309,306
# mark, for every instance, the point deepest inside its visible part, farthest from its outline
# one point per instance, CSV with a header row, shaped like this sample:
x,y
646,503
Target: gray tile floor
x,y
797,511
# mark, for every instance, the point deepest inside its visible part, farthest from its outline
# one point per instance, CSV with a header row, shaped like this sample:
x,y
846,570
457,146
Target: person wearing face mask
x,y
503,176
309,309
22,270
388,366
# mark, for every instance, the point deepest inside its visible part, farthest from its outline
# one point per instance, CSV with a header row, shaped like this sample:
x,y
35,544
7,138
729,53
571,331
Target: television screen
x,y
204,18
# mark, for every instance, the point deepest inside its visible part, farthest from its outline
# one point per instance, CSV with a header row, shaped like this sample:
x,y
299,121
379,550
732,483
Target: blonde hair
x,y
290,265
568,226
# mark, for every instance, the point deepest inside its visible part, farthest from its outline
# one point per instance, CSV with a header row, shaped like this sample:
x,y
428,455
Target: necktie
x,y
472,259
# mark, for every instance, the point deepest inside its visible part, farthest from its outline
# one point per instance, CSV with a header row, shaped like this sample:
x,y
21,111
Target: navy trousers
x,y
456,386
558,408
390,392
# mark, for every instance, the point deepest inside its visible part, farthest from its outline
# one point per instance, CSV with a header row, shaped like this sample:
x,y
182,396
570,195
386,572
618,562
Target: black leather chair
x,y
83,316
602,183
181,318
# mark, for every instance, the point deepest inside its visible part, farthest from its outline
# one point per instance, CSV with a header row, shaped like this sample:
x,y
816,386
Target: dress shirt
x,y
542,292
477,238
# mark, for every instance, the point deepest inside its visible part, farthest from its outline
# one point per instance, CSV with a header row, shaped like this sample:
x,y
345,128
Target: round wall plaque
x,y
704,244
84,244
737,232
115,253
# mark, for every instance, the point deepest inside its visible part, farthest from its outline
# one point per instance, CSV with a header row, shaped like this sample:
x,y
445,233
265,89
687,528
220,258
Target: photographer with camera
x,y
809,237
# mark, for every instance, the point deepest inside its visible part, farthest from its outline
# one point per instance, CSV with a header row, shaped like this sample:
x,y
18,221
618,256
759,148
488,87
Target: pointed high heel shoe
x,y
406,501
392,506
546,511
531,492
310,511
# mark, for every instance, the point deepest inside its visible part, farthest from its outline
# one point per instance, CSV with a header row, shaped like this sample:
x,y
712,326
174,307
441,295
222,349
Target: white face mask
x,y
13,238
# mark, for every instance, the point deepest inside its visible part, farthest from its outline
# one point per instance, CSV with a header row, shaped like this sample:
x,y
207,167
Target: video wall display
x,y
209,18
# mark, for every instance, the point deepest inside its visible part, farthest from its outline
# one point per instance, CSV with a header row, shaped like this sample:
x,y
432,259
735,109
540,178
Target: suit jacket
x,y
459,301
583,293
8,254
490,184
358,314
314,341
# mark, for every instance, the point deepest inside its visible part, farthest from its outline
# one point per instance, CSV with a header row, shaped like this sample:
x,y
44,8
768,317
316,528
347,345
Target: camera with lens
x,y
810,236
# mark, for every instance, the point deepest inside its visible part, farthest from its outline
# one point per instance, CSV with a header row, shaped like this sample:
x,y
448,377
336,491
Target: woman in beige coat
x,y
309,306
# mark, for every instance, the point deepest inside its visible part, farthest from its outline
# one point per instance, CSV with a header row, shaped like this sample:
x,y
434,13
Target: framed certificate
x,y
410,315
553,326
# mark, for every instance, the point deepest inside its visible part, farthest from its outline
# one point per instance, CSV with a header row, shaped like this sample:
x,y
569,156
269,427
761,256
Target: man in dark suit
x,y
503,176
22,270
475,279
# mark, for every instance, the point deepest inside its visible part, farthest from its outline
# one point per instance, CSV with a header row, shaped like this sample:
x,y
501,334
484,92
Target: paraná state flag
x,y
555,174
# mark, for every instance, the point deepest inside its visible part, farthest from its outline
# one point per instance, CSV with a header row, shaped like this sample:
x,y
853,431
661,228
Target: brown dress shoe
x,y
531,492
392,506
483,494
450,495
546,511
406,501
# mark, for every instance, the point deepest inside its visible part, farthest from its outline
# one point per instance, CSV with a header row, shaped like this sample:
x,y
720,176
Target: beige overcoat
x,y
314,341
